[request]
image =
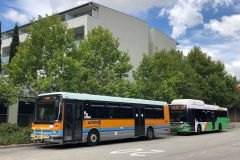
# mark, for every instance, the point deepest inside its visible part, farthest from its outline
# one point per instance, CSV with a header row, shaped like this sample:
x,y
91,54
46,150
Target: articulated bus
x,y
63,117
189,115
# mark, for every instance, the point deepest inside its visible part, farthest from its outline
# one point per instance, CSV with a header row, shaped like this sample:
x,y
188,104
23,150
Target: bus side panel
x,y
160,126
167,115
224,121
207,126
109,129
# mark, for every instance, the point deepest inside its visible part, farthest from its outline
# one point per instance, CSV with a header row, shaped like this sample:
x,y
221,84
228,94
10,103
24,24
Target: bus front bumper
x,y
58,139
48,138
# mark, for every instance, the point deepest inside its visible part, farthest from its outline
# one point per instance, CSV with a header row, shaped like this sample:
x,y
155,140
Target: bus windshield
x,y
47,113
178,116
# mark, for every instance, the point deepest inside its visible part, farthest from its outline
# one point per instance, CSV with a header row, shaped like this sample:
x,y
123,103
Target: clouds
x,y
22,11
228,26
185,14
233,68
14,16
31,8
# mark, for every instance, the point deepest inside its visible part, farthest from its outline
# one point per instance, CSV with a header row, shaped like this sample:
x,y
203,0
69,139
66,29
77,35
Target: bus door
x,y
139,115
213,120
191,119
73,115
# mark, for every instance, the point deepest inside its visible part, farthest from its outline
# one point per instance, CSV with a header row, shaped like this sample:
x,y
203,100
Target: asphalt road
x,y
209,146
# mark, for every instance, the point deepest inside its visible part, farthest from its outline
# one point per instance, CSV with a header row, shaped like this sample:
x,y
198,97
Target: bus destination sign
x,y
177,107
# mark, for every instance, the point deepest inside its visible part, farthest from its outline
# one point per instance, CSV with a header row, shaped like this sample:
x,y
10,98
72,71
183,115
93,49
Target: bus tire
x,y
150,134
220,127
199,129
92,138
178,133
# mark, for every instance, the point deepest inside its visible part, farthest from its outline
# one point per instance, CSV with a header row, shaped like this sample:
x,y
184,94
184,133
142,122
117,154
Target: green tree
x,y
162,77
216,85
105,66
0,48
43,58
8,93
14,44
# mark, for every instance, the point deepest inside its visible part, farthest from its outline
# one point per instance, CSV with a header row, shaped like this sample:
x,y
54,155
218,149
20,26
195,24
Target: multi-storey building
x,y
134,35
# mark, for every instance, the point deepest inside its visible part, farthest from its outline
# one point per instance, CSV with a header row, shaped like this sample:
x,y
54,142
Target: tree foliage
x,y
0,48
104,67
42,60
15,43
163,77
216,85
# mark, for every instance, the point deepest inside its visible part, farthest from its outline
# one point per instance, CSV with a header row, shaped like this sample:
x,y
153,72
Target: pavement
x,y
231,126
21,145
234,125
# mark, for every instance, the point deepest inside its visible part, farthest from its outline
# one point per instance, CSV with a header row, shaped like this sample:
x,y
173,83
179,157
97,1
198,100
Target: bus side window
x,y
204,116
149,112
209,116
99,110
159,112
127,111
114,111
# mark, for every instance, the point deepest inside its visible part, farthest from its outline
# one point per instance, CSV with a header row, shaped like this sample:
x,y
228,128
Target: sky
x,y
212,25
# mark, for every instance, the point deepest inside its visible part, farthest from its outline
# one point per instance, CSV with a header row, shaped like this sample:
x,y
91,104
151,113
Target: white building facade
x,y
134,34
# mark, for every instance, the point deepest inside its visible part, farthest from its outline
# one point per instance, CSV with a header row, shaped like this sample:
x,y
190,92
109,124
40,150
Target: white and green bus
x,y
190,115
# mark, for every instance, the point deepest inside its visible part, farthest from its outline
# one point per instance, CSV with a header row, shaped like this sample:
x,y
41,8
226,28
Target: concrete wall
x,y
234,114
132,32
13,113
160,40
77,22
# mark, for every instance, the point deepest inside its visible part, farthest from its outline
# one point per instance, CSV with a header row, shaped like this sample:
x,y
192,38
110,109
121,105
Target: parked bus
x,y
63,117
189,115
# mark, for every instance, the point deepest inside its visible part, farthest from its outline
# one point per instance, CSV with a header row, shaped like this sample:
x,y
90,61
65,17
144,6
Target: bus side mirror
x,y
57,102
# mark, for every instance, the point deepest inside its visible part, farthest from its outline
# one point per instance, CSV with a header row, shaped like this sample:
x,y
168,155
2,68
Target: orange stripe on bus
x,y
206,126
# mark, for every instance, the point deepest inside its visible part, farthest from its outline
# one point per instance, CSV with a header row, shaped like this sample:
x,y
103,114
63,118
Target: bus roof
x,y
197,104
83,96
188,102
214,107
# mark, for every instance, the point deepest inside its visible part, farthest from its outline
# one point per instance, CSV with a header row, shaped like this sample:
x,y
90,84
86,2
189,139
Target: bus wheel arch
x,y
199,129
93,137
150,133
219,127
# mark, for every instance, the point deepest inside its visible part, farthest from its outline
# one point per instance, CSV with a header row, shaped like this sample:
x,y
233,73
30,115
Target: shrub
x,y
13,134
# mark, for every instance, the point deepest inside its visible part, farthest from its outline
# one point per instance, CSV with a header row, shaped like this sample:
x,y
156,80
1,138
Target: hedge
x,y
13,134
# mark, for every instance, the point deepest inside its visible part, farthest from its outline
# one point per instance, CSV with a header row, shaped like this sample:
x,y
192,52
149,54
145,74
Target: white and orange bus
x,y
63,117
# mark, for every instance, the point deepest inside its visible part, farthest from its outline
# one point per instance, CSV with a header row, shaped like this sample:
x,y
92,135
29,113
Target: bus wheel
x,y
178,133
150,134
220,127
198,129
92,138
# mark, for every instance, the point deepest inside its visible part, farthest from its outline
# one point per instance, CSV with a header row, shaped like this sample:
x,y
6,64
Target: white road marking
x,y
135,152
143,153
